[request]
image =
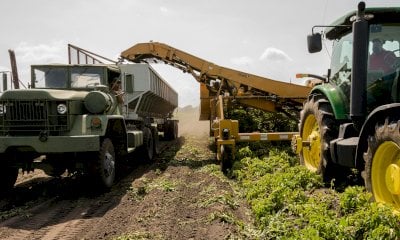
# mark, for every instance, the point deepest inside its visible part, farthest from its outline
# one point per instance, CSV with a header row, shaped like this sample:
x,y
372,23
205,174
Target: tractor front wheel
x,y
317,128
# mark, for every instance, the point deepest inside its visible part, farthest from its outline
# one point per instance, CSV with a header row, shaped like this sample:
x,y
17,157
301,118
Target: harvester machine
x,y
220,87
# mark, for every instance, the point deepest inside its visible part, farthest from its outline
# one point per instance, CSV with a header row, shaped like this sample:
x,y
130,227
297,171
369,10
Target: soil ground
x,y
181,195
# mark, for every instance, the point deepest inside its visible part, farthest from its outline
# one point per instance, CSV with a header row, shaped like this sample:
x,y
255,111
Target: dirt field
x,y
182,195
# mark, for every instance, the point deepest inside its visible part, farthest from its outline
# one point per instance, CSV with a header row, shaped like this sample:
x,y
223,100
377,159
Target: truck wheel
x,y
318,127
156,140
175,129
382,164
147,149
105,164
226,158
8,177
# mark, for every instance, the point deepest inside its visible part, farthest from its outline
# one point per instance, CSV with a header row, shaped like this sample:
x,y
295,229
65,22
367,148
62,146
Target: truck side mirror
x,y
314,43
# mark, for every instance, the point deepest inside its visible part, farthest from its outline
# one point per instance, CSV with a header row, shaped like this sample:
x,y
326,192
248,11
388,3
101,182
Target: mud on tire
x,y
382,168
146,151
103,171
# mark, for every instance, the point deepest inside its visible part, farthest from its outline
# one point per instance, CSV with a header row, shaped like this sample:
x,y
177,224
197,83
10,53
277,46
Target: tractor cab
x,y
381,55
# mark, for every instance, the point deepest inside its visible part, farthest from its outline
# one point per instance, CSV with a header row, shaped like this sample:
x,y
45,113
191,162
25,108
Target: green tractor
x,y
351,119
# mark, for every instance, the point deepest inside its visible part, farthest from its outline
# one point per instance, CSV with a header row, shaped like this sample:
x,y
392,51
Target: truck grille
x,y
30,117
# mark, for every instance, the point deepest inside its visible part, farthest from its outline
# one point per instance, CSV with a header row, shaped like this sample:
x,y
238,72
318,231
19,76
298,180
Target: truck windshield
x,y
46,77
83,77
66,77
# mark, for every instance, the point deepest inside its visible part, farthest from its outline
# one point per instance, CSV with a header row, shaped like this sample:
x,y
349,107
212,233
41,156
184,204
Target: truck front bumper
x,y
53,144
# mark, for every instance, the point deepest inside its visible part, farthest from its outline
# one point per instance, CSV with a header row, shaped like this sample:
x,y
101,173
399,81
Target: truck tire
x,y
156,140
382,166
8,177
319,127
105,165
146,151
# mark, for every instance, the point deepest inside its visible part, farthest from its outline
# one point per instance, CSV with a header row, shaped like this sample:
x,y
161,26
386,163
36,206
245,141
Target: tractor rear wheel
x,y
382,164
318,127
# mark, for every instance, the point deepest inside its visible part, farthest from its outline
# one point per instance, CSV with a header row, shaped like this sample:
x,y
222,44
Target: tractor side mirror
x,y
314,43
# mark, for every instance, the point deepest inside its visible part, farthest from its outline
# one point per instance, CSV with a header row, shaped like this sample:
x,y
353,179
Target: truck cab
x,y
83,118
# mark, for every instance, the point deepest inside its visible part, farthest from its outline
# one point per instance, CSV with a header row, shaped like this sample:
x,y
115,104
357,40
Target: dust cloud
x,y
189,124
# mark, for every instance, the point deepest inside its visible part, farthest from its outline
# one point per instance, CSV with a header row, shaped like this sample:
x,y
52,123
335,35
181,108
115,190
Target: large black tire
x,y
382,165
226,158
58,166
156,140
8,177
146,151
318,125
104,169
171,130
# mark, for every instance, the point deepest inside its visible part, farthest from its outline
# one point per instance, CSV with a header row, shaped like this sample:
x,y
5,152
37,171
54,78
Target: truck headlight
x,y
62,108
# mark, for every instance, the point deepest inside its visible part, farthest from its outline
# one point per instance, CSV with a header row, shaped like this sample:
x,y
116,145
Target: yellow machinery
x,y
219,87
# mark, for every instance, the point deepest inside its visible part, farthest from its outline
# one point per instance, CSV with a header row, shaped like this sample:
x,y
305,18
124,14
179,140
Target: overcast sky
x,y
262,37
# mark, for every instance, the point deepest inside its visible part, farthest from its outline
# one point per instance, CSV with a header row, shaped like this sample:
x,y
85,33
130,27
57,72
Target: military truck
x,y
84,118
351,121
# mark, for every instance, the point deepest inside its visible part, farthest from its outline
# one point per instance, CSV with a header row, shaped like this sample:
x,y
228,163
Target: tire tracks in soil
x,y
67,214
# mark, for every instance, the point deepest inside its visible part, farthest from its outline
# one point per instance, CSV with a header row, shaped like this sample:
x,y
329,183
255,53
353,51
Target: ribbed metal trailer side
x,y
150,96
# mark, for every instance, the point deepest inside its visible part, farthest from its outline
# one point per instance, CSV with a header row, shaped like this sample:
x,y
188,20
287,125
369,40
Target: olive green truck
x,y
84,119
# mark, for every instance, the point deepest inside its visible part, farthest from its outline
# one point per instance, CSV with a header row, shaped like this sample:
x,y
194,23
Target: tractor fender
x,y
378,115
337,99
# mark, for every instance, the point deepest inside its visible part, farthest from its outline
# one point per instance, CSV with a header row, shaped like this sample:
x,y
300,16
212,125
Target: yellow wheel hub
x,y
393,178
312,152
385,173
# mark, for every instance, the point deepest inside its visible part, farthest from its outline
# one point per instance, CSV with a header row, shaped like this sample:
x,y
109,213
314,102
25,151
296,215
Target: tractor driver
x,y
381,59
381,73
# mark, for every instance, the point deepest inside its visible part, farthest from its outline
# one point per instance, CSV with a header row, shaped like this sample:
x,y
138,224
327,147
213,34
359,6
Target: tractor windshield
x,y
383,63
342,62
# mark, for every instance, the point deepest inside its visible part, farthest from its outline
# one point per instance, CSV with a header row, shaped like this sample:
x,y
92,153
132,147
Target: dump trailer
x,y
222,89
84,118
351,120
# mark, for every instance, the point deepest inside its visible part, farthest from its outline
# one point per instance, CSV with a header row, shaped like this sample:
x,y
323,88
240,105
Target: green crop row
x,y
290,202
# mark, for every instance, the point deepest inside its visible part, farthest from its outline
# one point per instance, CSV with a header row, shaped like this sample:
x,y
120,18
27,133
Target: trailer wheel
x,y
105,164
318,127
8,177
226,158
171,130
382,164
156,140
147,149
